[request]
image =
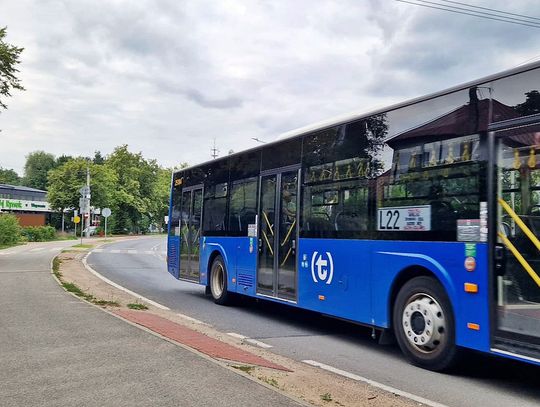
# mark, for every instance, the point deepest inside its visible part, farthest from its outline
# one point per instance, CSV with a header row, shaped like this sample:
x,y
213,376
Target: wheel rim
x,y
424,323
217,280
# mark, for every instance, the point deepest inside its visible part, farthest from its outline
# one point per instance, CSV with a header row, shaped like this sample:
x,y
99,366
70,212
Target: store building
x,y
28,204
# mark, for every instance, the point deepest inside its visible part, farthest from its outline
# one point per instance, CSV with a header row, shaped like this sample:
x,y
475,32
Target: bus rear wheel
x,y
424,324
218,281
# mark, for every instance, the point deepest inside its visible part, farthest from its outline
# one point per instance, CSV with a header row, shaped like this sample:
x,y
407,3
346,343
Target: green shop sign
x,y
9,204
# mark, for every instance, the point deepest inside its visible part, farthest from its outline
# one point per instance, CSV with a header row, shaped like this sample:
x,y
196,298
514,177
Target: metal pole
x,y
62,221
106,228
88,185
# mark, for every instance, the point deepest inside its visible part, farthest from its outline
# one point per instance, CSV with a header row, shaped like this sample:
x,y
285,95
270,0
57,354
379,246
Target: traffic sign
x,y
76,219
84,190
84,204
106,212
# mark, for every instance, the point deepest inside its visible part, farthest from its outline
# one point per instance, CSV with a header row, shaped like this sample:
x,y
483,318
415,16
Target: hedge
x,y
39,233
10,230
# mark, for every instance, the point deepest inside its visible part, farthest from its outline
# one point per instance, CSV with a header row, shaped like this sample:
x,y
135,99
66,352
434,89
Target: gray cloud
x,y
168,77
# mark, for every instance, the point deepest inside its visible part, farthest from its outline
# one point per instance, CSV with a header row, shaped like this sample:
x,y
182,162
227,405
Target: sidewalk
x,y
59,351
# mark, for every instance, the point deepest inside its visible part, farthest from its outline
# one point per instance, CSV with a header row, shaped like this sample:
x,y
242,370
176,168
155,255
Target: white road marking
x,y
94,272
55,249
259,343
98,250
374,383
132,251
249,340
235,335
188,318
116,251
37,249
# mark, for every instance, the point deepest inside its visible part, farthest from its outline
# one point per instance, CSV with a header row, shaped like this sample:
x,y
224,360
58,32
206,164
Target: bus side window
x,y
242,206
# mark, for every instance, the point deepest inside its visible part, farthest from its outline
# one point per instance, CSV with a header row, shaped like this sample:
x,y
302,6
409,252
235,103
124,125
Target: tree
x,y
160,197
8,176
9,58
66,181
98,158
135,192
38,164
62,160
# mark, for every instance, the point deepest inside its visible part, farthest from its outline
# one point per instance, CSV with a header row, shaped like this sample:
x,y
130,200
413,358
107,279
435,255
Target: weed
x,y
244,368
270,380
56,267
326,397
137,305
105,303
73,288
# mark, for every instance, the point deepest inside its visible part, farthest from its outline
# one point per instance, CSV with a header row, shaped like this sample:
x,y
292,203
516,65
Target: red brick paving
x,y
196,340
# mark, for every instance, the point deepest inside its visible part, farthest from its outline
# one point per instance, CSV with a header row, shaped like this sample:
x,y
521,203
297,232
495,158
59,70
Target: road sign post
x,y
106,212
76,220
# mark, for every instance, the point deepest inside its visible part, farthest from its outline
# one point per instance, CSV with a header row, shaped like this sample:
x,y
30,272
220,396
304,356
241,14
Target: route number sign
x,y
404,218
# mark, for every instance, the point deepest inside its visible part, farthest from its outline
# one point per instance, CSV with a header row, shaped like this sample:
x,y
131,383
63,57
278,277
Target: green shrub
x,y
10,230
39,233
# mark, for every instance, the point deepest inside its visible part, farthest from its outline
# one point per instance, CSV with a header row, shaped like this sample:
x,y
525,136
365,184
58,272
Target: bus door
x,y
277,226
516,247
190,232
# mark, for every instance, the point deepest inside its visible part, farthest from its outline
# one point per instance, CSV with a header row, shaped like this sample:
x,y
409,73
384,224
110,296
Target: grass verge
x,y
75,289
137,305
244,368
56,268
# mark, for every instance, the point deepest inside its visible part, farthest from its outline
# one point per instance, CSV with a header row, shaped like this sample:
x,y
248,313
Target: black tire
x,y
218,281
424,326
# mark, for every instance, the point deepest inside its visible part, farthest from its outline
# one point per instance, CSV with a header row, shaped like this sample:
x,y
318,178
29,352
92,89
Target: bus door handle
x,y
293,245
500,260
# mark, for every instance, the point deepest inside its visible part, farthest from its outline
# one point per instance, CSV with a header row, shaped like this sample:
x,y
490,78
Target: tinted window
x,y
282,154
338,166
434,173
194,176
245,165
243,206
516,96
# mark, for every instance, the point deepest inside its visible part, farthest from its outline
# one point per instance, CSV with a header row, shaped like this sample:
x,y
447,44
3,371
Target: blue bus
x,y
421,219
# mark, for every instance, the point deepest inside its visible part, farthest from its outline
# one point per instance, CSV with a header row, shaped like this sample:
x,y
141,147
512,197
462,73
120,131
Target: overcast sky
x,y
167,77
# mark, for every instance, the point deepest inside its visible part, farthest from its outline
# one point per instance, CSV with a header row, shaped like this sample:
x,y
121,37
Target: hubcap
x,y
423,323
217,280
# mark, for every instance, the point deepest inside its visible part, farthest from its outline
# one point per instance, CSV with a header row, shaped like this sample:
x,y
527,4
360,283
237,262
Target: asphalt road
x,y
56,350
139,265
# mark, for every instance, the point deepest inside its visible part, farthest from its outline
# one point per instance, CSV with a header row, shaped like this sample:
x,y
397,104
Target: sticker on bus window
x,y
252,230
404,218
468,230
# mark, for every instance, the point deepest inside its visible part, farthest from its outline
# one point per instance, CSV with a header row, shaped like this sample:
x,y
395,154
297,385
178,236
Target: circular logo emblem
x,y
470,264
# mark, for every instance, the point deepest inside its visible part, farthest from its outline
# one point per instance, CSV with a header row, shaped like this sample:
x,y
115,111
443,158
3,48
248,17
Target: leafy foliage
x,y
136,189
38,164
10,231
66,181
8,176
139,190
39,233
9,58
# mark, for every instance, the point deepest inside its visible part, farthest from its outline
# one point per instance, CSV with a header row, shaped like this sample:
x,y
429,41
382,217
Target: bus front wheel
x,y
218,281
424,324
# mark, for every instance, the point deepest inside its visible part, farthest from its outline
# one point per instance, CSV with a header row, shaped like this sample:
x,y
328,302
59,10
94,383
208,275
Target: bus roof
x,y
357,115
